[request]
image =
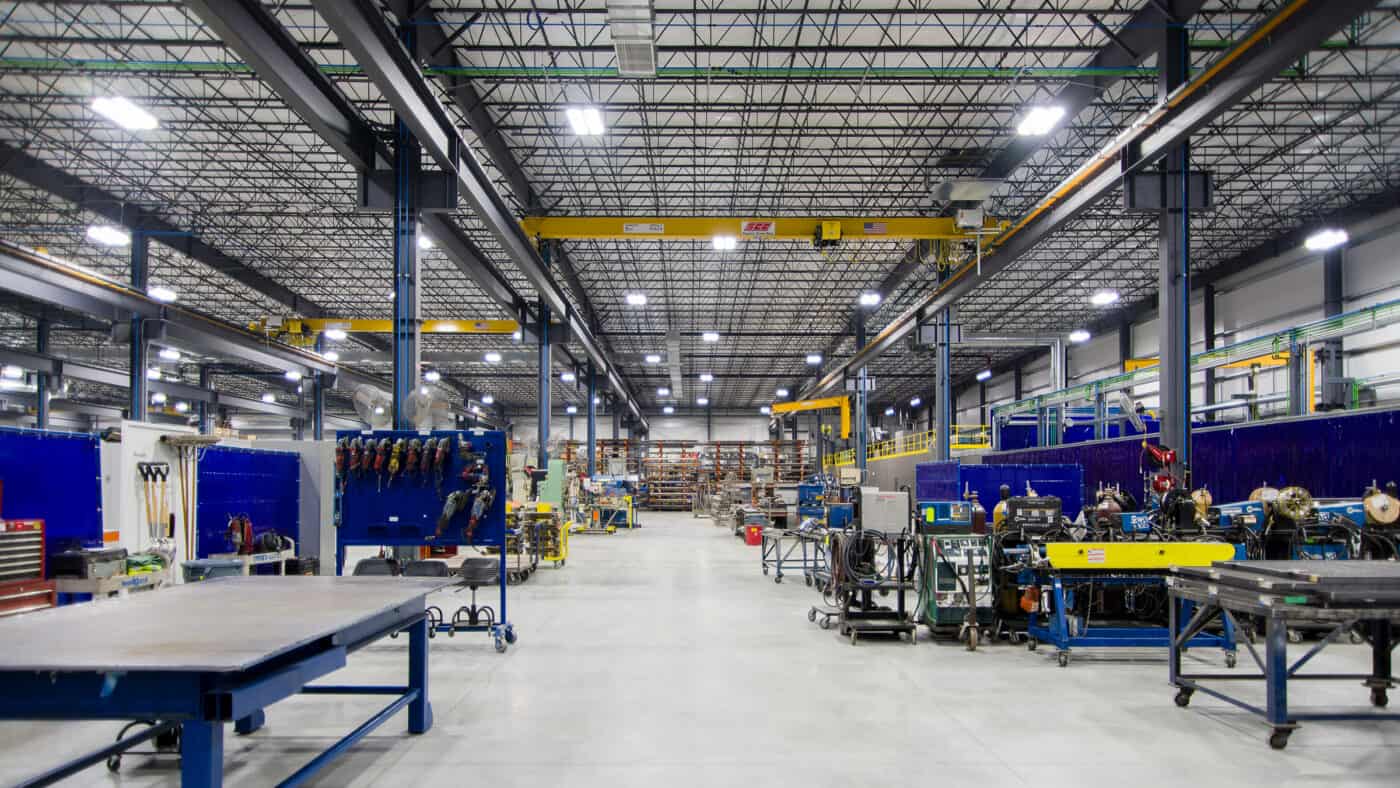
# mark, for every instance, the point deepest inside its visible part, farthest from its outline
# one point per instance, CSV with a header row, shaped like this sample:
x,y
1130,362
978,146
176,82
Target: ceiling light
x,y
163,294
122,112
781,392
710,336
432,376
1104,297
421,389
653,358
493,357
869,298
1040,121
597,400
668,410
637,299
814,358
159,398
571,410
765,410
516,336
153,373
181,407
336,334
292,375
475,409
568,377
586,121
915,402
299,390
391,295
1323,240
270,398
107,235
706,377
984,375
889,411
424,242
663,392
702,400
11,372
487,399
169,354
331,355
378,409
1079,335
724,243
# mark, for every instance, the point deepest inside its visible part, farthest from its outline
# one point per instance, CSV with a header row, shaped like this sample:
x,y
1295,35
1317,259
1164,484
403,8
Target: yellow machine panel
x,y
1136,555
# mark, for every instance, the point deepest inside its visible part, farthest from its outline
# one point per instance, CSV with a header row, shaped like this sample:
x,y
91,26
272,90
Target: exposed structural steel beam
x,y
780,228
1292,31
365,32
44,279
89,197
1174,253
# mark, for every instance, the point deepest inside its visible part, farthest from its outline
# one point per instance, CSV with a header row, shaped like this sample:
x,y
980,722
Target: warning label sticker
x,y
756,227
643,228
1096,555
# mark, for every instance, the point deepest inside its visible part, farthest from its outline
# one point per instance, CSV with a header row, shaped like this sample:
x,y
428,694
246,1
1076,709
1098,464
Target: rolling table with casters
x,y
199,655
1348,596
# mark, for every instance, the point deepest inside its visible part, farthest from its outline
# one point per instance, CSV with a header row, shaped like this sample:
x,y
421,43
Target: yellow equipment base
x,y
1136,555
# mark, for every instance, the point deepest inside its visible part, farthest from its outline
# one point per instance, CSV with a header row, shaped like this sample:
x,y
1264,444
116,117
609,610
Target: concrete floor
x,y
662,657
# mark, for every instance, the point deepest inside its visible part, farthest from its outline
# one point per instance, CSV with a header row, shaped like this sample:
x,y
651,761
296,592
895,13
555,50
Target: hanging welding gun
x,y
340,450
425,460
481,503
396,460
356,452
381,457
240,533
456,502
440,461
411,456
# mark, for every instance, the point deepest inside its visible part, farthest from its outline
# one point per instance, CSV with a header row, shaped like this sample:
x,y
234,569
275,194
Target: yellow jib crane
x,y
842,402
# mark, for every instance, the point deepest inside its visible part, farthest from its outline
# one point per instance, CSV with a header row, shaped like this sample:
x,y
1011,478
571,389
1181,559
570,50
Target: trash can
x,y
206,568
753,534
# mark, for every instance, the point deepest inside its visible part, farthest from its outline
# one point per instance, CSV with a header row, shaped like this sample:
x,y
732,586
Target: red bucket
x,y
753,534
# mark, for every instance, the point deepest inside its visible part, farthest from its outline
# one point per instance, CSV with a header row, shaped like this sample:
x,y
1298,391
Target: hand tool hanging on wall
x,y
240,533
357,447
381,456
425,463
396,460
340,452
411,457
444,455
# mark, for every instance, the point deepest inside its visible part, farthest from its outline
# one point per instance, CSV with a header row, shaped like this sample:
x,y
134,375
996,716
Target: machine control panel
x,y
962,563
941,517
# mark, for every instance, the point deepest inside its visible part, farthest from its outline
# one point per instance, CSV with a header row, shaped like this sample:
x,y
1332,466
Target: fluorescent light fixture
x,y
765,410
292,375
336,334
487,399
1104,297
1323,240
153,373
493,357
331,355
653,358
710,336
814,358
124,113
915,402
668,410
663,392
517,336
1040,121
984,375
869,298
169,354
568,377
107,235
597,400
11,372
270,398
1079,335
181,407
424,242
889,411
724,243
432,376
162,294
159,398
571,410
702,400
706,377
475,409
781,392
636,299
586,121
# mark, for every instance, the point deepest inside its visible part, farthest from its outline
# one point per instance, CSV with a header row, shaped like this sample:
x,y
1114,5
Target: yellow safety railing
x,y
965,436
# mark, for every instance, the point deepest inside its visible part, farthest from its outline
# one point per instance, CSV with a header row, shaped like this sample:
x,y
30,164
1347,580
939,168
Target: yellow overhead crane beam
x,y
828,229
304,330
843,402
1279,359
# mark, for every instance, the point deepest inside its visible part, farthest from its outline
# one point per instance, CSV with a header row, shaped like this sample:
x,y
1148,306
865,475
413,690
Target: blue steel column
x,y
318,397
862,434
545,376
1174,247
943,394
592,417
41,381
1208,321
136,409
407,165
202,406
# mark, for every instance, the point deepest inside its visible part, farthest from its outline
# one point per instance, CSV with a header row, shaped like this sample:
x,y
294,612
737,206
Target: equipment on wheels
x,y
866,562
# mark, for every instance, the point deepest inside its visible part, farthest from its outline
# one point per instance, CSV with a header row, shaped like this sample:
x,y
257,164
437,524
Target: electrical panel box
x,y
959,572
463,489
942,517
848,476
884,511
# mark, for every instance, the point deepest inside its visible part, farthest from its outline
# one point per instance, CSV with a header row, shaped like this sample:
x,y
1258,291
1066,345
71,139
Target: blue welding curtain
x,y
947,481
265,485
55,477
1331,456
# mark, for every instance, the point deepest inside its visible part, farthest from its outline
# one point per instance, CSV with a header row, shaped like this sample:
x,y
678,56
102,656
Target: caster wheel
x,y
812,614
1031,643
1062,658
765,570
1279,739
452,633
1294,636
884,592
808,581
114,763
1183,698
510,636
986,636
1356,637
1230,659
972,638
825,623
778,579
500,645
1379,698
432,632
393,636
854,636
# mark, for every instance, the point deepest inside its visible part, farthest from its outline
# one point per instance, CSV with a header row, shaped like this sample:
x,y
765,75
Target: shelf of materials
x,y
789,461
671,471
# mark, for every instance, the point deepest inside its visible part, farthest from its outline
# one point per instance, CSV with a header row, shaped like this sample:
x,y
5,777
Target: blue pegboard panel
x,y
406,511
55,477
947,481
265,485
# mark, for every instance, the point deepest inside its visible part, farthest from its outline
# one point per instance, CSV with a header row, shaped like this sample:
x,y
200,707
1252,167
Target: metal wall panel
x,y
265,485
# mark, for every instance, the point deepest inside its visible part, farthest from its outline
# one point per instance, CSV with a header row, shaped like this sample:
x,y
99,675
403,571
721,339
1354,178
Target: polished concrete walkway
x,y
663,658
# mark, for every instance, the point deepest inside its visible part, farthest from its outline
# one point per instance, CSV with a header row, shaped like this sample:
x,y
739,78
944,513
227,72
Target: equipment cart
x,y
783,546
1361,596
866,563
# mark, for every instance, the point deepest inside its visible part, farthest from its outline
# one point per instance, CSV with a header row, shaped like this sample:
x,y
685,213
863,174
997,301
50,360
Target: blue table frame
x,y
201,701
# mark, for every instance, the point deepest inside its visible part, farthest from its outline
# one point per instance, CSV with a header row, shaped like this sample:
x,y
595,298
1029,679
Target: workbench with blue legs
x,y
202,655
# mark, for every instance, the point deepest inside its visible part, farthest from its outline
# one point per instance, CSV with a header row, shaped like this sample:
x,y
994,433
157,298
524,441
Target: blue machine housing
x,y
839,515
405,512
1350,511
810,499
1244,514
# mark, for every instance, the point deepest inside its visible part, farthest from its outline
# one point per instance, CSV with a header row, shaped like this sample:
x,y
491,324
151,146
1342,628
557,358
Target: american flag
x,y
874,228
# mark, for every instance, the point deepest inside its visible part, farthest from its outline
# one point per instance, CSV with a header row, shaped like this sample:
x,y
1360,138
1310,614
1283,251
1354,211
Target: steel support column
x,y
821,442
202,406
1208,332
545,379
1334,389
41,380
136,408
592,418
1125,345
943,387
862,432
408,163
1174,249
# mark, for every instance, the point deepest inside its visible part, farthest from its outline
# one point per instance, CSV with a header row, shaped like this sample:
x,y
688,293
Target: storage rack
x,y
670,472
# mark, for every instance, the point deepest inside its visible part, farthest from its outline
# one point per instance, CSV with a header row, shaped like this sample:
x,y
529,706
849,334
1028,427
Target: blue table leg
x,y
202,754
1174,606
1276,681
420,710
246,725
